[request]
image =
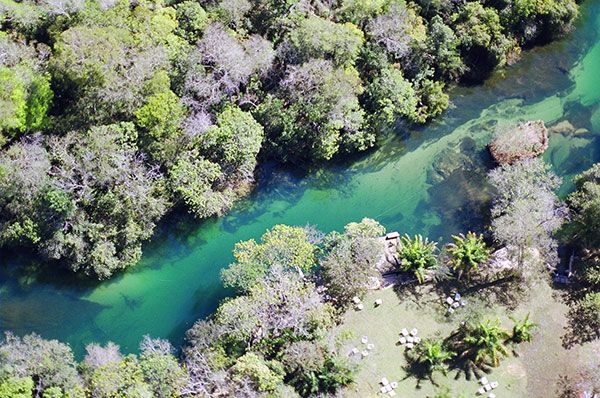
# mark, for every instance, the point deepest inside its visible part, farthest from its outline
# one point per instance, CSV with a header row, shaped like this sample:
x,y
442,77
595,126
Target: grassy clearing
x,y
532,370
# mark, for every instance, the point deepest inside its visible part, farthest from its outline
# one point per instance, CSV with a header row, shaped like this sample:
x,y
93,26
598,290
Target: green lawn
x,y
533,372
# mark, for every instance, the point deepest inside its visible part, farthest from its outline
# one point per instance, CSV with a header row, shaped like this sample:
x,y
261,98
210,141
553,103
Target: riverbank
x,y
534,369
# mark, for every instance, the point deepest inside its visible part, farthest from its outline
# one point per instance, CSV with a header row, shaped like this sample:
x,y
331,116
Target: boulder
x,y
525,141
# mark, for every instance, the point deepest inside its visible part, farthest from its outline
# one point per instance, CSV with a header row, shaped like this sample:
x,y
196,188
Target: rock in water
x,y
516,143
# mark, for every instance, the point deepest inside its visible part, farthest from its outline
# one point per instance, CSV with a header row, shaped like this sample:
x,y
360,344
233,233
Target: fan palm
x,y
416,255
484,342
468,253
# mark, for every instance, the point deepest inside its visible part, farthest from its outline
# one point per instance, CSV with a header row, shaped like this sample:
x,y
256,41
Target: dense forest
x,y
114,112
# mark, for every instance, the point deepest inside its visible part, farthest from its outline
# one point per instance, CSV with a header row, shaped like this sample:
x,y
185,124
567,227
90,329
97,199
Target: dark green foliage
x,y
93,224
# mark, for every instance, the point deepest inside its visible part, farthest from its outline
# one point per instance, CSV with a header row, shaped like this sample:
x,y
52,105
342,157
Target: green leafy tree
x,y
348,268
234,142
316,111
417,254
391,96
283,245
16,387
266,376
192,19
483,42
160,119
320,38
468,253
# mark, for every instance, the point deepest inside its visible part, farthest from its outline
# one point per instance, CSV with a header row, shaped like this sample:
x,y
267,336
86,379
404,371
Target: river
x,y
178,281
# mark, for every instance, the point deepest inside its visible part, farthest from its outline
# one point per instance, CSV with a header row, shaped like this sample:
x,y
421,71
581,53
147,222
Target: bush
x,y
417,255
467,253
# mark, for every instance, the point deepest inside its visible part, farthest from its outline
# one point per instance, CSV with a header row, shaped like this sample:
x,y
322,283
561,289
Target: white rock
x,y
384,381
364,340
404,332
414,332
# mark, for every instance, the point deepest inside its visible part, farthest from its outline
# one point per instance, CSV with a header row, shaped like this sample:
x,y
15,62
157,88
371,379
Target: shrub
x,y
417,255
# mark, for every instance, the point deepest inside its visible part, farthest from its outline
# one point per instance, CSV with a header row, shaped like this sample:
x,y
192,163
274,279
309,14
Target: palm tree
x,y
434,356
417,254
523,330
484,342
468,253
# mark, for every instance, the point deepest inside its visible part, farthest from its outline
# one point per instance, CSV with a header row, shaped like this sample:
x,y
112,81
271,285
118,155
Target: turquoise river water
x,y
429,180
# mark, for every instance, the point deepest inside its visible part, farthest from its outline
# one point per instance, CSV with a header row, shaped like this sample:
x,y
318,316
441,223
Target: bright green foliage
x,y
25,96
433,355
13,105
468,253
283,245
392,95
119,379
234,142
53,392
432,100
417,255
585,203
523,330
162,373
366,228
160,119
48,362
192,20
358,11
484,342
97,62
16,387
320,38
589,309
266,376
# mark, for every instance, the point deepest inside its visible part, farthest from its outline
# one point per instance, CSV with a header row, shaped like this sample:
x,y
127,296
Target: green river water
x,y
178,282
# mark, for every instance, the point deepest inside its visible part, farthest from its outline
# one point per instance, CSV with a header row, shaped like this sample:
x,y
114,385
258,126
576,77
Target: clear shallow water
x,y
403,184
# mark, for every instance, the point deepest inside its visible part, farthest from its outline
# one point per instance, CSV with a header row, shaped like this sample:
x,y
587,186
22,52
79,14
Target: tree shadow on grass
x,y
579,329
417,370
